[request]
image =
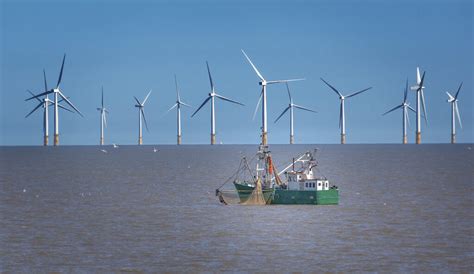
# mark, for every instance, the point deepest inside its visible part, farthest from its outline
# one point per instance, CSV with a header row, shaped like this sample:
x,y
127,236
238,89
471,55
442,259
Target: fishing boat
x,y
302,183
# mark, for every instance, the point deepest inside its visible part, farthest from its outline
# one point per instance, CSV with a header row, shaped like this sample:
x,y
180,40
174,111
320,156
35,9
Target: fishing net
x,y
256,197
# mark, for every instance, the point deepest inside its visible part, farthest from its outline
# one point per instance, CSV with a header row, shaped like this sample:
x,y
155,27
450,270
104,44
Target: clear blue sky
x,y
130,47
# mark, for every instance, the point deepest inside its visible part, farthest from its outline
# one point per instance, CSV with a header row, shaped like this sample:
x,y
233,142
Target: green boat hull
x,y
290,197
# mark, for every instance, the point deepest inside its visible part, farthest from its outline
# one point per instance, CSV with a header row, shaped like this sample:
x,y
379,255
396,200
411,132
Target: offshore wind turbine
x,y
45,103
405,106
420,102
342,115
141,114
291,107
212,95
454,109
57,93
103,119
178,110
263,96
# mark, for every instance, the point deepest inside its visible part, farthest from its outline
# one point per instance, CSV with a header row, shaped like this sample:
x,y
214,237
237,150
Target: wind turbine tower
x,y
342,115
405,119
263,96
291,107
103,119
141,114
454,109
420,102
212,95
178,110
57,93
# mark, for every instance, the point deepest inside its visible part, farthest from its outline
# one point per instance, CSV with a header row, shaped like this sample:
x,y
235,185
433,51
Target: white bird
x,y
103,150
155,150
115,146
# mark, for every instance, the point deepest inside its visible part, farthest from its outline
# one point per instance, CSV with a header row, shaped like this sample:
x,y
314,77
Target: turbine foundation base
x,y
101,141
56,139
418,137
45,140
140,140
179,140
453,138
405,140
213,139
264,138
343,139
292,139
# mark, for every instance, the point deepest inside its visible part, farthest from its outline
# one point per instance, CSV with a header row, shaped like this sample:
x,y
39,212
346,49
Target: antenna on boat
x,y
293,163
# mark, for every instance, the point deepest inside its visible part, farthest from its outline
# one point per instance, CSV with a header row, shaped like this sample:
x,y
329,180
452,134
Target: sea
x,y
82,209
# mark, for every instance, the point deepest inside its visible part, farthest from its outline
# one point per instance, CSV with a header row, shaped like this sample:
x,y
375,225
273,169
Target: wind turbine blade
x,y
285,81
303,108
459,89
284,111
61,106
146,98
422,80
451,98
205,101
184,104
45,84
34,95
138,102
397,107
210,77
258,104
39,95
457,113
144,119
253,66
70,104
418,79
407,118
177,91
406,92
172,107
61,73
412,109
423,102
39,105
289,94
355,93
228,100
102,97
333,88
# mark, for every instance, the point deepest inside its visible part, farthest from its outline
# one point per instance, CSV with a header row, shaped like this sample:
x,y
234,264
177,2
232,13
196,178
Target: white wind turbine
x,y
57,93
454,109
141,114
45,103
405,107
291,107
263,95
103,119
178,110
342,115
420,102
211,97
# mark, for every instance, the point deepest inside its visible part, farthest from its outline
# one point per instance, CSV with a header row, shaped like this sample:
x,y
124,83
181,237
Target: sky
x,y
131,47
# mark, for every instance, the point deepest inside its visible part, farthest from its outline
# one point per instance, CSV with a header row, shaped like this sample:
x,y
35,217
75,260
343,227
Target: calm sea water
x,y
77,209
